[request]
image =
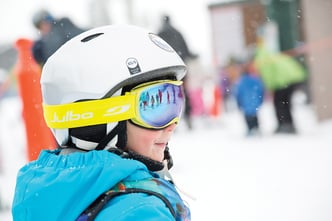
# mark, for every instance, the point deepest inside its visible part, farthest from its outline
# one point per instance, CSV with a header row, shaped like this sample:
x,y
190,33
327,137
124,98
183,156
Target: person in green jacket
x,y
281,75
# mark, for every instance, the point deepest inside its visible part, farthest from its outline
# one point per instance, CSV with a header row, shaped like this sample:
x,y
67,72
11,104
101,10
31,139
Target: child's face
x,y
149,143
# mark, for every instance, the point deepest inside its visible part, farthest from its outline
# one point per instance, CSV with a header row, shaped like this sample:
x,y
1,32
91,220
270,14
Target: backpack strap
x,y
92,211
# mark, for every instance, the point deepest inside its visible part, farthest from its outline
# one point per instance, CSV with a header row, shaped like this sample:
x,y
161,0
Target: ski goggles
x,y
153,105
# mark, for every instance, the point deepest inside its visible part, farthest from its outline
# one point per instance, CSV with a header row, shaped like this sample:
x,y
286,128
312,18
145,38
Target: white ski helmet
x,y
97,64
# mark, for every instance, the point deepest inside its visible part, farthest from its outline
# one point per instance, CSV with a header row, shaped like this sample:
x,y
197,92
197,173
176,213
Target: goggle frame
x,y
107,110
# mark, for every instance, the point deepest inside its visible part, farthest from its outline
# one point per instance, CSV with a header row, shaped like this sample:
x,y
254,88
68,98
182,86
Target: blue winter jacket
x,y
61,187
249,93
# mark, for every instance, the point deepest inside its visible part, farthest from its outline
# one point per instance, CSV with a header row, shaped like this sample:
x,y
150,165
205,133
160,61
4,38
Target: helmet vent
x,y
90,37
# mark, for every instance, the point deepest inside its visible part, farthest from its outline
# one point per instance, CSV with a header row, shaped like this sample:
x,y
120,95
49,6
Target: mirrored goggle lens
x,y
160,104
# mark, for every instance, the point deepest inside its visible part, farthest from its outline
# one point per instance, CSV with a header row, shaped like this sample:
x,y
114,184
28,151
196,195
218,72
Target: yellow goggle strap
x,y
88,113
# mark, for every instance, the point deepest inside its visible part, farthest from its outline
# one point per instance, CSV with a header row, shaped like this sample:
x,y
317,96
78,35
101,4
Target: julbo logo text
x,y
70,116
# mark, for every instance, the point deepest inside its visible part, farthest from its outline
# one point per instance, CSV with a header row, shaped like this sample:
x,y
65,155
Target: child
x,y
249,92
114,156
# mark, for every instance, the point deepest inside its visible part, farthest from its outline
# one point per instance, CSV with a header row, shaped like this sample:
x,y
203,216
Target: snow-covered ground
x,y
223,174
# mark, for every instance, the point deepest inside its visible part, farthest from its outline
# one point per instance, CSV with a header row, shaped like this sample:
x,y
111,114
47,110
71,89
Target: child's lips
x,y
161,144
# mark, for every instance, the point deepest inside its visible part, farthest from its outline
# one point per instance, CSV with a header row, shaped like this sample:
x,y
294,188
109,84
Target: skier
x,y
174,37
53,34
114,160
281,75
249,94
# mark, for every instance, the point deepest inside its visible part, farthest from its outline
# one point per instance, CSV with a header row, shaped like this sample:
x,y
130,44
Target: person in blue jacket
x,y
249,94
114,159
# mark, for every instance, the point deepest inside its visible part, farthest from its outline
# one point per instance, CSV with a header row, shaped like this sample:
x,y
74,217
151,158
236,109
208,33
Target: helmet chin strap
x,y
120,131
168,157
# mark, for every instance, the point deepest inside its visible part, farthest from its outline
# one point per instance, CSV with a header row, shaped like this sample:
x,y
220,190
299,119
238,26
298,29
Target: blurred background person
x,y
281,74
229,76
174,37
249,94
53,33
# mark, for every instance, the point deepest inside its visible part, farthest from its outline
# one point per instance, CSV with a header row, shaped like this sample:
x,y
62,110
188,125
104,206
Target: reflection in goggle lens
x,y
160,104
